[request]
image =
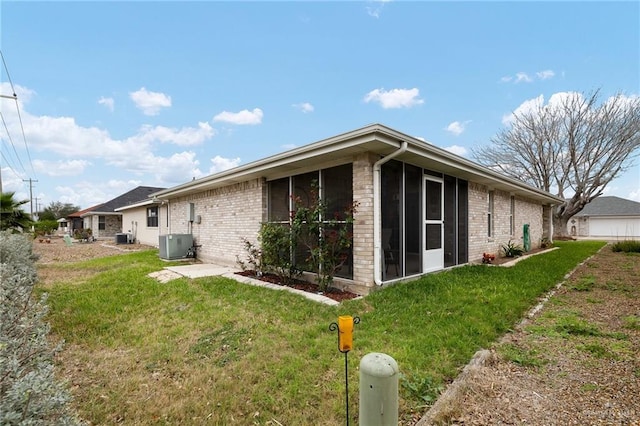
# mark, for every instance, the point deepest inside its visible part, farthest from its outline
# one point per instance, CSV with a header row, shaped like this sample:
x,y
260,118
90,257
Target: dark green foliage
x,y
45,227
511,249
57,210
628,246
277,245
12,217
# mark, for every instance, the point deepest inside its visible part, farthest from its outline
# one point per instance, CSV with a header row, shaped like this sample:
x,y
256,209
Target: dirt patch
x,y
57,251
575,363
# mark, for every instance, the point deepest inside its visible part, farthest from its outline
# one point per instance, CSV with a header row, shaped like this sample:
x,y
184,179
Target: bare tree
x,y
573,146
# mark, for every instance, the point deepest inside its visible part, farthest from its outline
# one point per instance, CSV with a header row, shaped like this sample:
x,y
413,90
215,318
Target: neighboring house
x,y
105,222
607,217
142,220
63,226
419,206
75,223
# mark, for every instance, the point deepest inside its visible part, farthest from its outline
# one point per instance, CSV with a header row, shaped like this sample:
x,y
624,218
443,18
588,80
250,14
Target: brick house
x,y
104,220
420,207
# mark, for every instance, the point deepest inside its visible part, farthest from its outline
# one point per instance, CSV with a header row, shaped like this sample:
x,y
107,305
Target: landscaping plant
x,y
511,249
29,393
327,237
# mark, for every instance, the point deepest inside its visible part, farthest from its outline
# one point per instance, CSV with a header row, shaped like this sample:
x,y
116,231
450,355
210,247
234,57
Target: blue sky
x,y
113,95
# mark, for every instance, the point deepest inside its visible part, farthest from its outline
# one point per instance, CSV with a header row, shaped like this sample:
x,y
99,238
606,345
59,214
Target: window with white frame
x,y
152,217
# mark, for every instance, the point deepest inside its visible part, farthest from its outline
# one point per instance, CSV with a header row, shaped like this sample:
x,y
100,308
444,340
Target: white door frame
x,y
433,259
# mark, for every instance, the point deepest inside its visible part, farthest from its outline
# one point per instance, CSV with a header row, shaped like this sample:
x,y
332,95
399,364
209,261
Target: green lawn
x,y
216,351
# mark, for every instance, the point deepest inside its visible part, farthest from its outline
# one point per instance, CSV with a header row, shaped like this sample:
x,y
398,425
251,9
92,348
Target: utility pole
x,y
37,210
30,193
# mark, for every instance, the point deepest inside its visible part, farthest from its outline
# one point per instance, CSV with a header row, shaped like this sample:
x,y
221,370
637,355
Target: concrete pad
x,y
199,270
165,276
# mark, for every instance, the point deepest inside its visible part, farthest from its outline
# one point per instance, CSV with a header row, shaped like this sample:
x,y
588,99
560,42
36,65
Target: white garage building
x,y
607,217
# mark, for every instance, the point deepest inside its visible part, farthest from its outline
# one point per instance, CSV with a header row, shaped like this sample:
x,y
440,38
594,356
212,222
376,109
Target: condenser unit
x,y
175,246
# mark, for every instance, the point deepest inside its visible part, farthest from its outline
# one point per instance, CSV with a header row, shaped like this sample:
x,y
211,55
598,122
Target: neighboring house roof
x,y
610,206
134,196
375,138
82,212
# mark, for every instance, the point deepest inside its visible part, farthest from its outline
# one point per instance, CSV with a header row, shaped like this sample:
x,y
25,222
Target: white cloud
x,y
458,150
244,117
304,107
456,127
148,102
61,167
87,193
524,108
394,98
220,164
545,75
288,146
186,136
634,195
107,102
523,77
377,7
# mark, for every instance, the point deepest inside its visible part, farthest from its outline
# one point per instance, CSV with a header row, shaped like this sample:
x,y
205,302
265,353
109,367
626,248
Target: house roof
x,y
134,196
611,206
82,212
375,138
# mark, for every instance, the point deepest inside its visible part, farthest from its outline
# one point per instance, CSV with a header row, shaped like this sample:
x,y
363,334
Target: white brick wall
x,y
228,215
526,211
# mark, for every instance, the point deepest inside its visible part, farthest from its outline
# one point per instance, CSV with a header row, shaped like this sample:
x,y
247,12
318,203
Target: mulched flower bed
x,y
332,293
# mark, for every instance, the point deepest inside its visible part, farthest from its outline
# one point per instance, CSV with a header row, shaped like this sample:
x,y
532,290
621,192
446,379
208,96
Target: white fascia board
x,y
137,205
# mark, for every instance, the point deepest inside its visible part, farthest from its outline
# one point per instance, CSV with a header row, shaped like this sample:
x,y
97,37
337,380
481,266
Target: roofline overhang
x,y
375,138
139,204
96,213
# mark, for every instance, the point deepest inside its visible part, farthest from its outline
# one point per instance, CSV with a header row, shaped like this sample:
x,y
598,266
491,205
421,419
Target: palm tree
x,y
12,217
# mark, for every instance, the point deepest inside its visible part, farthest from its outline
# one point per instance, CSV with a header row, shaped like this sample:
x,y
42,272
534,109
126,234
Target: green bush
x,y
45,227
511,249
276,242
29,393
628,246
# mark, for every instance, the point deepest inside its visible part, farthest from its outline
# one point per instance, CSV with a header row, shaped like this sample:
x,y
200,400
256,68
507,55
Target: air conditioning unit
x,y
175,246
124,238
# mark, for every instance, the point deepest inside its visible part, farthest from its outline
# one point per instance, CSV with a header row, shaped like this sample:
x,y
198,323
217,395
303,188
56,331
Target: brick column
x,y
363,223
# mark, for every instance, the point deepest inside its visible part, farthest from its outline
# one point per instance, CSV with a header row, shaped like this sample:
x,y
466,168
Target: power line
x,y
6,128
30,193
24,138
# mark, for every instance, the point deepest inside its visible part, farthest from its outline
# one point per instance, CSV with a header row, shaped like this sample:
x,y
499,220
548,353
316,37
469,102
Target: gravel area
x,y
56,251
575,362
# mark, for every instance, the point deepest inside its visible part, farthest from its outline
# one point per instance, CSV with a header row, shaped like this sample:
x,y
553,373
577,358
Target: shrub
x,y
29,393
511,249
253,259
326,236
277,244
628,246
